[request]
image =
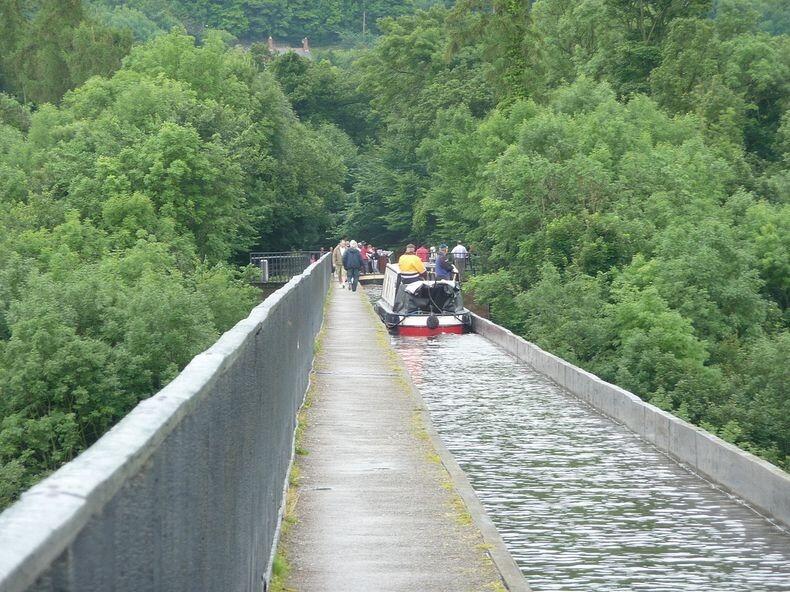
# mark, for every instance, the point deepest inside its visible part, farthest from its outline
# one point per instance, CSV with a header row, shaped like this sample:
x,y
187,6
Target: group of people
x,y
350,258
412,262
459,253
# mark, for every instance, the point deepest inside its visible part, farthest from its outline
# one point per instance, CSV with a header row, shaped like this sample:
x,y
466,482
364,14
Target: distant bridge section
x,y
186,492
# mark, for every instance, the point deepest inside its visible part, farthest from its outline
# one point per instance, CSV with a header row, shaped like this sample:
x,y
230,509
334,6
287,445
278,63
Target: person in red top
x,y
363,252
423,253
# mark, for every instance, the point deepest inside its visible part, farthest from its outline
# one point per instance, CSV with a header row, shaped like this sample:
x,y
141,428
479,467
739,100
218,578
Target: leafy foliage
x,y
119,212
623,165
52,46
323,21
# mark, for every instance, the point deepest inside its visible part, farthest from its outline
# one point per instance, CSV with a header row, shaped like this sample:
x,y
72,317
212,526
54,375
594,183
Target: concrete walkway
x,y
376,509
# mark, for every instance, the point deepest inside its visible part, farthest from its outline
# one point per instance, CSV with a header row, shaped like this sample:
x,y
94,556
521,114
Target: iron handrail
x,y
281,266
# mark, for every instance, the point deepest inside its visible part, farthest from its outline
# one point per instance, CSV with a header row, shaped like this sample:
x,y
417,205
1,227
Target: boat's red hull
x,y
424,331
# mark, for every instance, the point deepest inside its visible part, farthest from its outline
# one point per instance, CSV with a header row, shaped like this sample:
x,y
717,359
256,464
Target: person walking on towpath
x,y
411,267
422,253
352,261
337,259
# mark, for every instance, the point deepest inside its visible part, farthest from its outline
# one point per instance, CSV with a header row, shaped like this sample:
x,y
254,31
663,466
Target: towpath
x,y
376,508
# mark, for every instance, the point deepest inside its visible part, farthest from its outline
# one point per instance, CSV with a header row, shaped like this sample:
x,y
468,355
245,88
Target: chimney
x,y
306,45
271,44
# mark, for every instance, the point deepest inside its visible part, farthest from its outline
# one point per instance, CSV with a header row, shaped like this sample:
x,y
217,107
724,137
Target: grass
x,y
281,568
462,515
418,427
302,420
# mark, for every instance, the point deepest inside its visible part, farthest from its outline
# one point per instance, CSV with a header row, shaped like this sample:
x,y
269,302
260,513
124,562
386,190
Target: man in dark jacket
x,y
444,269
352,261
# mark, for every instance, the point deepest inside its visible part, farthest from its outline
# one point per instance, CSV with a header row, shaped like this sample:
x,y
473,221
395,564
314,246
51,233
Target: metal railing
x,y
472,264
280,267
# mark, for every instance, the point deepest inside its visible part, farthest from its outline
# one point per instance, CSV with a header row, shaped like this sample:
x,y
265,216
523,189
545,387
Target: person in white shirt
x,y
460,255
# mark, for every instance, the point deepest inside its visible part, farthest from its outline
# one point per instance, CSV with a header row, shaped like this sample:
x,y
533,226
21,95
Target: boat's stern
x,y
422,308
416,326
423,325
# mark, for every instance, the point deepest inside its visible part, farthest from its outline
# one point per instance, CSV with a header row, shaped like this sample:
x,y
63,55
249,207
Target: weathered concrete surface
x,y
184,493
376,509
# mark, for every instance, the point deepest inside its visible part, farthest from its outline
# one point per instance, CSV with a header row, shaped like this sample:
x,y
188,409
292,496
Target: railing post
x,y
264,263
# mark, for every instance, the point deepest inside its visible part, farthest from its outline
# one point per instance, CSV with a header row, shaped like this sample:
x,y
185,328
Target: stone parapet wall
x,y
186,492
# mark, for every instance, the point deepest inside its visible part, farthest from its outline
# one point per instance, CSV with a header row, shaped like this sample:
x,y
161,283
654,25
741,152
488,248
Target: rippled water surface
x,y
580,501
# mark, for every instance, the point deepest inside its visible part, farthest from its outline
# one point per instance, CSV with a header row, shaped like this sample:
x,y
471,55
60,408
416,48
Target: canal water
x,y
581,502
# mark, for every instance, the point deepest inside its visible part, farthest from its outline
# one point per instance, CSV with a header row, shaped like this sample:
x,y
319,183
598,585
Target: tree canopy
x,y
623,168
325,21
121,210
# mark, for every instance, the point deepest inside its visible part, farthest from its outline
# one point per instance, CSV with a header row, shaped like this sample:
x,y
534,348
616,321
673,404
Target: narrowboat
x,y
421,307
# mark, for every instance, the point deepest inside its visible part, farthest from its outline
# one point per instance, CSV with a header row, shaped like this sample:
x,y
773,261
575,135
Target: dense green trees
x,y
321,93
52,46
624,167
326,21
119,210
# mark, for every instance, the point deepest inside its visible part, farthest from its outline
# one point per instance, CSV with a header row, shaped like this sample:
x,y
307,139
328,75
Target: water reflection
x,y
580,501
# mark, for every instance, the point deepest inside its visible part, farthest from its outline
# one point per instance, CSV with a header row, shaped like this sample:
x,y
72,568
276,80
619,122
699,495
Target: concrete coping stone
x,y
36,529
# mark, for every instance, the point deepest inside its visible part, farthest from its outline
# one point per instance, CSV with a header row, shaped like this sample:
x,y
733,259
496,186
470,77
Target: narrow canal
x,y
581,502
